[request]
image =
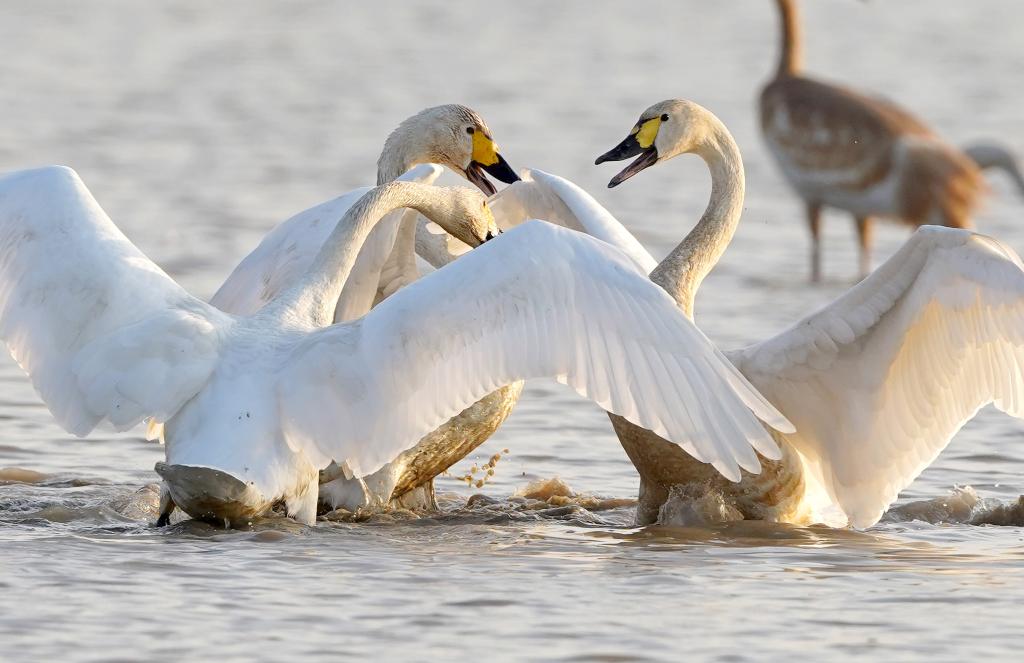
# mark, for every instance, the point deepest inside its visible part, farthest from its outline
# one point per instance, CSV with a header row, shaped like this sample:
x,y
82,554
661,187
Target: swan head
x,y
665,130
451,135
469,217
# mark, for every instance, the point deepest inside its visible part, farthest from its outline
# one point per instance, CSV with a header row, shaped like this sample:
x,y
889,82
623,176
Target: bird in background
x,y
853,151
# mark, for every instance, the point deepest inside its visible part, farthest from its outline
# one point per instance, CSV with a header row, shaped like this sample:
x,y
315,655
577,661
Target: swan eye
x,y
470,130
664,117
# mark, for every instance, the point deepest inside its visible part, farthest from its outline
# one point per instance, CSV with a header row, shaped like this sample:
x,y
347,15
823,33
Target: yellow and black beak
x,y
639,141
486,159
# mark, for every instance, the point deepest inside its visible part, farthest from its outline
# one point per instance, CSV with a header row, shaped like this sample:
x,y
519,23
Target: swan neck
x,y
683,270
317,296
392,164
402,150
791,53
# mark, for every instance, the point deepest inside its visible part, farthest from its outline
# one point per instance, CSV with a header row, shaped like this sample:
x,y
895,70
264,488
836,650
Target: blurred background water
x,y
199,126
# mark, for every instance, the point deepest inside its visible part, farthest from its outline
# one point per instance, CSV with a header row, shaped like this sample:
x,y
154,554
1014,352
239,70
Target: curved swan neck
x,y
683,270
395,159
406,147
791,53
316,297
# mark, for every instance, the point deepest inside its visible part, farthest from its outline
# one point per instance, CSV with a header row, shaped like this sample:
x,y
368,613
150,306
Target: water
x,y
200,125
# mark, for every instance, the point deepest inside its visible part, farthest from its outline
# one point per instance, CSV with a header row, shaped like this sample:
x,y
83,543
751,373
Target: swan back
x,y
287,252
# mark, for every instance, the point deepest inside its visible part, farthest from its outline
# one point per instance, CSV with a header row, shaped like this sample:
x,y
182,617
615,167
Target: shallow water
x,y
199,125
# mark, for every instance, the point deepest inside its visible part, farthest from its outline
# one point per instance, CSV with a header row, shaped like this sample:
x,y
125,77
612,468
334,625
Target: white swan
x,y
453,136
877,383
255,405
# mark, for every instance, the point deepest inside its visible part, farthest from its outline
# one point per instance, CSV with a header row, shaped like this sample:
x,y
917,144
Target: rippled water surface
x,y
199,126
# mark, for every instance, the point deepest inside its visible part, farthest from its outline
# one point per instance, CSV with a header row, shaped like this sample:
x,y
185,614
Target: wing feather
x,y
540,195
102,332
878,382
539,301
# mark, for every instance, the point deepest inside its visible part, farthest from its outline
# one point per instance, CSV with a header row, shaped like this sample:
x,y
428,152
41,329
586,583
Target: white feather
x,y
284,255
103,333
516,308
539,195
879,381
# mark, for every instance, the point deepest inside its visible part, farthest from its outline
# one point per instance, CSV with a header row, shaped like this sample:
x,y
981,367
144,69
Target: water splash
x,y
542,499
962,506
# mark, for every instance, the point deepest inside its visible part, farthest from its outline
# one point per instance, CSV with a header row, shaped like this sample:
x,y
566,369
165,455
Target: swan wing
x,y
284,255
102,332
879,381
540,195
537,301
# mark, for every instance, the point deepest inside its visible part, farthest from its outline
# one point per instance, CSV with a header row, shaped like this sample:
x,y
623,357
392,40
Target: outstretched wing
x,y
537,301
540,195
284,255
878,382
102,332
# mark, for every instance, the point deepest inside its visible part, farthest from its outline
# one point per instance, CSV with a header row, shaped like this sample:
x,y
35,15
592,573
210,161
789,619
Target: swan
x,y
877,383
453,136
253,406
842,148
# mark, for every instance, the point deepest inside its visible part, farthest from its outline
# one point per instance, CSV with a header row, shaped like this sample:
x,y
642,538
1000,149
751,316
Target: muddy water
x,y
199,126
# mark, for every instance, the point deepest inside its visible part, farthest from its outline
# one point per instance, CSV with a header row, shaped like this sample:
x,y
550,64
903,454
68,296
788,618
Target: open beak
x,y
499,170
630,147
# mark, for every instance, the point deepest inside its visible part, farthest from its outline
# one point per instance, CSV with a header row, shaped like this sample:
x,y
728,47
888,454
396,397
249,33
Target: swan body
x,y
254,405
455,137
877,383
841,148
289,248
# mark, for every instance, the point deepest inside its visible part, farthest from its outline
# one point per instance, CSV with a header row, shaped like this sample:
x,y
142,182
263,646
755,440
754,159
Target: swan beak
x,y
499,170
630,147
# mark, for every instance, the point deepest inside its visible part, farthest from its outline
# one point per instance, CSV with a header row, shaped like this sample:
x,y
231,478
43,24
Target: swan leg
x,y
814,225
864,239
167,506
420,498
649,502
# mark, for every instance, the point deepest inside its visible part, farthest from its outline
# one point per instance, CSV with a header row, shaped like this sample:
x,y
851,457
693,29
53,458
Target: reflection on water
x,y
200,125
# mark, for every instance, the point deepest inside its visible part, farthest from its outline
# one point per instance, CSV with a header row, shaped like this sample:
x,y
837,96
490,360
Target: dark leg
x,y
166,507
420,498
814,224
864,240
652,496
